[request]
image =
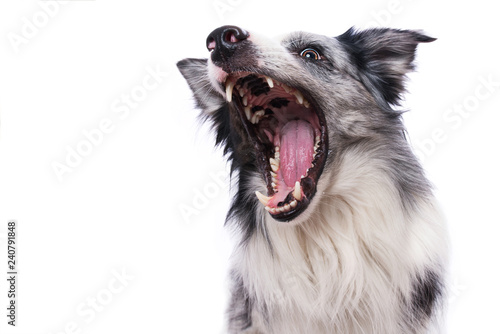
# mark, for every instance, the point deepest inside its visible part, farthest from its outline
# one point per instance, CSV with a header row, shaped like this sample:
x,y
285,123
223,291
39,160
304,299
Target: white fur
x,y
344,267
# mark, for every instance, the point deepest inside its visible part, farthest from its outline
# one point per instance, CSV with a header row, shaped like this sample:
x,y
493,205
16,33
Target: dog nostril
x,y
211,44
231,37
226,38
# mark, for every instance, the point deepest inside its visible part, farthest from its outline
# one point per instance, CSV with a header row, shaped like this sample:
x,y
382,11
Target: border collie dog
x,y
339,229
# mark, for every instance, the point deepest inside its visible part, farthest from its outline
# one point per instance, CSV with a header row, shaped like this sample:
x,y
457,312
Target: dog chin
x,y
312,210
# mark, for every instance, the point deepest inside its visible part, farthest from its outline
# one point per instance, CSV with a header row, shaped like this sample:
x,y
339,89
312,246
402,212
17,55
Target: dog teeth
x,y
275,164
244,100
270,82
255,119
297,193
248,112
316,144
262,198
279,209
259,115
286,88
271,210
229,90
299,96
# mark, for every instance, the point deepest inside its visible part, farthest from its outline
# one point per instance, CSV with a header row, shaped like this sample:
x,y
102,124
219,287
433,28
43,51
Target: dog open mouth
x,y
290,139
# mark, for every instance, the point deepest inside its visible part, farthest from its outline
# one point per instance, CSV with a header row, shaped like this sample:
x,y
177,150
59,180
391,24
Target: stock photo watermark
x,y
12,275
203,195
383,17
456,289
88,310
32,25
223,7
121,107
454,117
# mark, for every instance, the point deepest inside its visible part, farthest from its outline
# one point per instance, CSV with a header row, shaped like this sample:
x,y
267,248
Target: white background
x,y
119,209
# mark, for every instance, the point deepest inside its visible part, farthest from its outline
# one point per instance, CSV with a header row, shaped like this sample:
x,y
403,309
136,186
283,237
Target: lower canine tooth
x,y
297,193
229,91
247,112
263,199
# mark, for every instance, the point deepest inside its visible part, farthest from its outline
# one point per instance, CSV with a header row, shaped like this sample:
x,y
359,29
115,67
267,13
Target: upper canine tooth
x,y
297,194
229,91
270,82
263,199
299,96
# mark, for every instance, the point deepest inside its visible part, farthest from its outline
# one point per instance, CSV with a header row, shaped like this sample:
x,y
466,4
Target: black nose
x,y
223,41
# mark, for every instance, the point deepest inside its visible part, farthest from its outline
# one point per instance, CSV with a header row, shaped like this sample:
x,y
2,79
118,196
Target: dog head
x,y
285,108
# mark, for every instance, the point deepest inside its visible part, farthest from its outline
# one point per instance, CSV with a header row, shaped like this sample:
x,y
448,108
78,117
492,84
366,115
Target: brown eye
x,y
310,54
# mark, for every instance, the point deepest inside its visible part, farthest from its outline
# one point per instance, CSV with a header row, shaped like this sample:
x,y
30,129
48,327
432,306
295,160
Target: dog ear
x,y
196,74
383,56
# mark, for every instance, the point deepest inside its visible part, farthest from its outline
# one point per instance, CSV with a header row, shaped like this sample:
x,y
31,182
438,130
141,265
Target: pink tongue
x,y
296,150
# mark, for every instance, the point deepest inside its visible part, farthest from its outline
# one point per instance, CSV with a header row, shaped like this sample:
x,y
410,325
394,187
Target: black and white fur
x,y
368,255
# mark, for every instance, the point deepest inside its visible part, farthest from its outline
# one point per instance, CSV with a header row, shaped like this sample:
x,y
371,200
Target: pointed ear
x,y
383,57
196,74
